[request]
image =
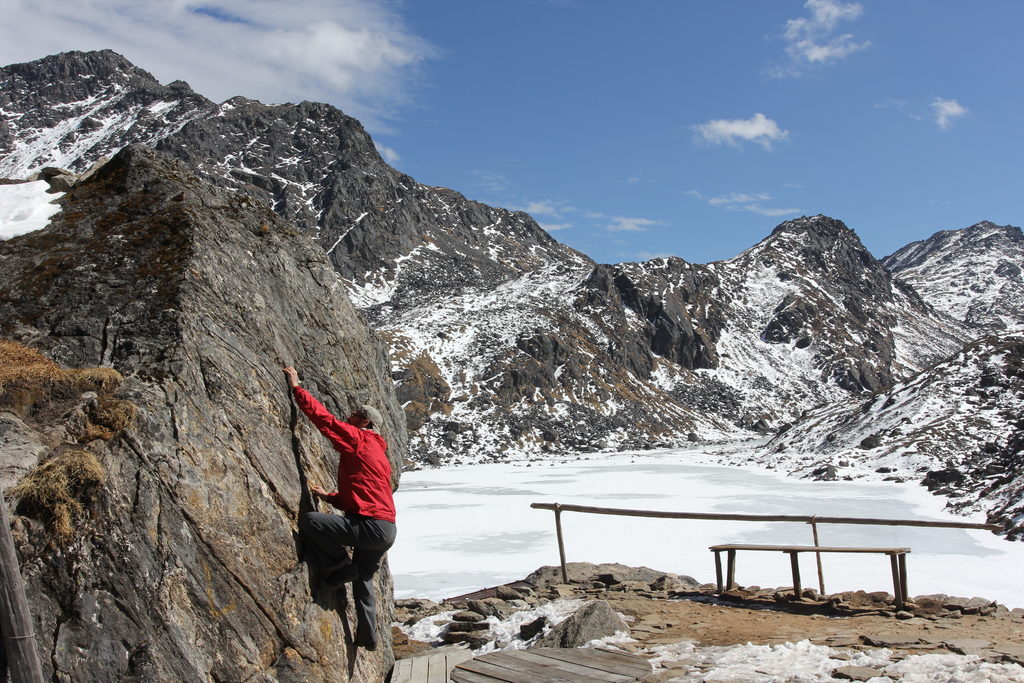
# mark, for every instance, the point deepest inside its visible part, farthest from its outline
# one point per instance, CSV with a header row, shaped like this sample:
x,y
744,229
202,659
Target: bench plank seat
x,y
809,548
897,557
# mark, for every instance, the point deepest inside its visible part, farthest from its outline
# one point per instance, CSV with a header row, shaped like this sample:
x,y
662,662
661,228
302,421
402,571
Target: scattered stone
x,y
967,646
468,626
842,641
595,619
1010,652
506,593
532,628
672,582
475,642
856,673
468,615
889,641
904,615
955,604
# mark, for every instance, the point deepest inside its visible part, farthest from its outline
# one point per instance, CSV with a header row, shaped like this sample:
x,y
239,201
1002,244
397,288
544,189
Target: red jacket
x,y
364,473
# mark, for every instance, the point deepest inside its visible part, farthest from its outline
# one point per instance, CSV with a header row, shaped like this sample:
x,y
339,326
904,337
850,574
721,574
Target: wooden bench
x,y
897,558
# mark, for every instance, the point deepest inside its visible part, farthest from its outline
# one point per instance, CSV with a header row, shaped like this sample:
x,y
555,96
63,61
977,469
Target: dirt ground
x,y
716,623
709,621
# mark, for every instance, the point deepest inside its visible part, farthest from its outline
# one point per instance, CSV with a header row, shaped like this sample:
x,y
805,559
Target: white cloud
x,y
547,207
811,40
758,128
624,224
734,198
356,54
947,111
554,227
490,181
390,155
738,201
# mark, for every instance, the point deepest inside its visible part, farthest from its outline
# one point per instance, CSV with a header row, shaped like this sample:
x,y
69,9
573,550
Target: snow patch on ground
x,y
25,208
805,662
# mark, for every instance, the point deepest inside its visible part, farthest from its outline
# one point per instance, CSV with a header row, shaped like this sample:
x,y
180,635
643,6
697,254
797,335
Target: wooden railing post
x,y
561,543
821,573
19,642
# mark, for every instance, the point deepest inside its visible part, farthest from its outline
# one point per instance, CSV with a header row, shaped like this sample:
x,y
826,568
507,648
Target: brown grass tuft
x,y
30,382
55,491
108,418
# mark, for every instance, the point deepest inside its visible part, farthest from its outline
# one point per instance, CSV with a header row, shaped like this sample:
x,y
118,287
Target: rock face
x,y
596,619
503,341
187,565
973,275
957,424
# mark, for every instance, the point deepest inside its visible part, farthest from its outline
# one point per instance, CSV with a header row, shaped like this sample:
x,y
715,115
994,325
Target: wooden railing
x,y
813,520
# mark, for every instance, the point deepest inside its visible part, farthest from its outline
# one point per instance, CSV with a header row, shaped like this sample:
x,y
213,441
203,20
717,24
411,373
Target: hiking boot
x,y
331,581
366,639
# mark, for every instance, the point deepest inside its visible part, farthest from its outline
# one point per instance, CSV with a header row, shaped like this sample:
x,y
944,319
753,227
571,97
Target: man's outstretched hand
x,y
318,492
292,376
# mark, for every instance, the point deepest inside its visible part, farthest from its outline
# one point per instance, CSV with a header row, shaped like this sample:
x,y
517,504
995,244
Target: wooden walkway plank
x,y
437,670
611,662
573,668
540,671
463,676
496,672
429,668
553,665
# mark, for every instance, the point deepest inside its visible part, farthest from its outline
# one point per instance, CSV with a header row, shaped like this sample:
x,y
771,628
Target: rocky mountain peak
x,y
819,226
72,109
975,275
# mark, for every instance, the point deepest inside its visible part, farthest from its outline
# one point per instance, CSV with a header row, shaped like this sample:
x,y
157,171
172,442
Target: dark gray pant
x,y
370,539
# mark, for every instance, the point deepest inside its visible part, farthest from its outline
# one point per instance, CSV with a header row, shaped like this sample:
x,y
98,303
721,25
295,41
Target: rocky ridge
x,y
956,427
973,274
183,562
504,341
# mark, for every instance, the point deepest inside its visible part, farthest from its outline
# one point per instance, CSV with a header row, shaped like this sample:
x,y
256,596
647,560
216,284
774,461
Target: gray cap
x,y
371,414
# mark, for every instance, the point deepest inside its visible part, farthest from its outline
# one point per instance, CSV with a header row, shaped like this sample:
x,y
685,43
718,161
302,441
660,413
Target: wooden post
x,y
821,573
903,577
718,570
896,588
561,543
730,581
797,588
19,642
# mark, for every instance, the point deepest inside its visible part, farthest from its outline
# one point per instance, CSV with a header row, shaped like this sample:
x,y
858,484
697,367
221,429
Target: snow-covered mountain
x,y
973,275
504,341
70,110
958,427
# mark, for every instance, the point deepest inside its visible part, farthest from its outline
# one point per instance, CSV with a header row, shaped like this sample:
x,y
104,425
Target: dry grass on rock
x,y
42,393
33,386
57,491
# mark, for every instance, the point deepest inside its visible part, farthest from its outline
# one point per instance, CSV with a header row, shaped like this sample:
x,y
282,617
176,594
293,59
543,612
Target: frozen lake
x,y
466,528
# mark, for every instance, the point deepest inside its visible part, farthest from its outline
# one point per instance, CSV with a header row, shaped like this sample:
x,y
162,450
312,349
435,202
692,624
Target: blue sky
x,y
630,130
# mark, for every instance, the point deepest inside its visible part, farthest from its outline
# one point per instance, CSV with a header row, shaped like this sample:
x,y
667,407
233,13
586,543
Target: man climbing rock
x,y
363,495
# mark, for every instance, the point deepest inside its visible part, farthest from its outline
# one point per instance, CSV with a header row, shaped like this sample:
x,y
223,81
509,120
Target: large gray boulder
x,y
186,565
595,619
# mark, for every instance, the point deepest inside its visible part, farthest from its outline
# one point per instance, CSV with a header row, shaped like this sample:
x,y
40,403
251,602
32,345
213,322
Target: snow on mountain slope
x,y
973,275
72,109
807,317
958,426
505,342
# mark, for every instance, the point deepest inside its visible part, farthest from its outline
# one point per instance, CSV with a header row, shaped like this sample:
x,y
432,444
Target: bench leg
x,y
903,577
897,588
732,571
718,570
797,588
